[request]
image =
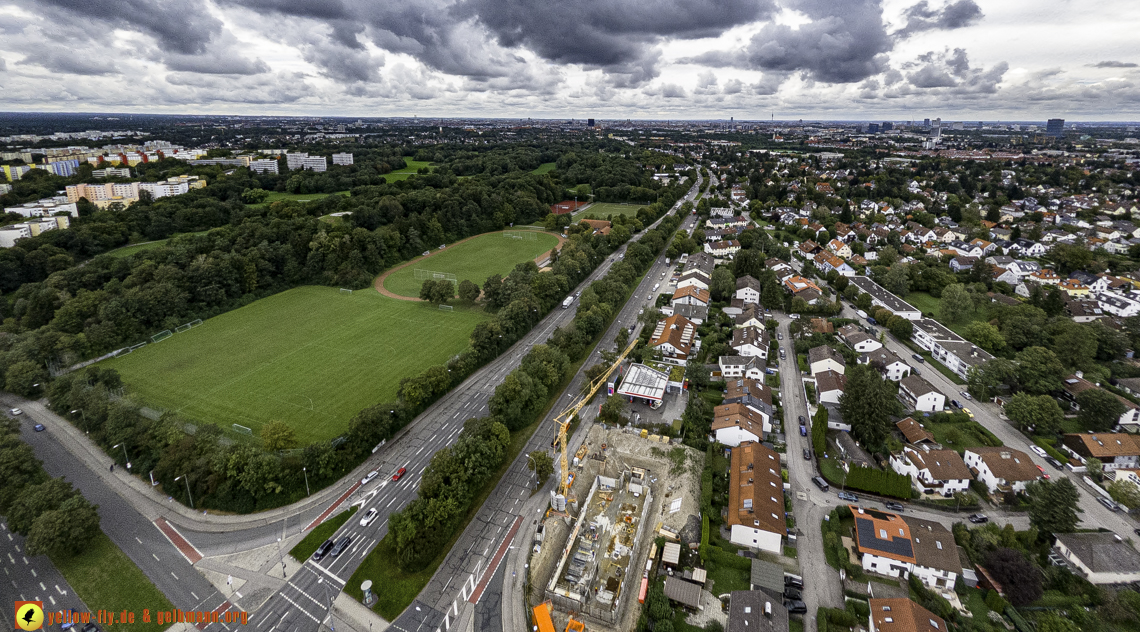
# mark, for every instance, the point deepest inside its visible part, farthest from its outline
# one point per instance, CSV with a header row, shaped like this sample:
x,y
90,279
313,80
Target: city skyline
x,y
813,59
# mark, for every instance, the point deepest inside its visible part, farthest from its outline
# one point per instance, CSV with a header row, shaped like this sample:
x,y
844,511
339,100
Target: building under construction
x,y
597,573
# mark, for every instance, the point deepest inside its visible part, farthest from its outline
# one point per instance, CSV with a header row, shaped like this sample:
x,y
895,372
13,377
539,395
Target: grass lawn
x,y
106,579
412,169
311,357
602,210
324,531
545,167
275,196
964,435
475,259
129,250
928,304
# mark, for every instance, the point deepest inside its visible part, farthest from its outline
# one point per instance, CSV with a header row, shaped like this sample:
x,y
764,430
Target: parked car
x,y
1042,470
340,545
955,403
399,473
968,412
17,411
1039,451
91,627
369,517
1111,506
893,506
965,394
820,483
793,580
978,518
803,431
38,428
848,496
795,606
370,477
323,549
802,420
779,336
793,593
783,354
1055,463
807,454
918,358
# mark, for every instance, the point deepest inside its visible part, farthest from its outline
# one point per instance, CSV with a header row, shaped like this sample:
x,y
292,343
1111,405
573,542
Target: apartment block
x,y
267,165
45,207
342,159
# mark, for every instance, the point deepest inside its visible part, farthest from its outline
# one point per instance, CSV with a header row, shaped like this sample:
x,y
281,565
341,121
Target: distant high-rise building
x,y
926,123
1055,127
872,128
887,126
589,122
266,165
342,159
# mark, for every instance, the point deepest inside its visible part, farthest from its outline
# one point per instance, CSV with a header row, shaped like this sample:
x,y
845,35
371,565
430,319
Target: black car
x,y
819,482
978,518
893,506
1054,462
323,549
793,593
340,546
807,454
848,496
91,627
802,420
795,606
955,403
794,581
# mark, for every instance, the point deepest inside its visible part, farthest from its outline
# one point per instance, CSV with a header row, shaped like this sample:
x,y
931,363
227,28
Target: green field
x,y
106,579
475,259
545,167
311,357
309,545
275,196
127,251
603,210
402,174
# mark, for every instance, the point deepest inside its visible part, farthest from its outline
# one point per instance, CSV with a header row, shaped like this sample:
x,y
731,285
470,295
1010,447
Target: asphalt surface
x,y
137,536
305,599
33,578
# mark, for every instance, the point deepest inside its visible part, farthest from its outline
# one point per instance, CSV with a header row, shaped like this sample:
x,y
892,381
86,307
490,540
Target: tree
x,y
1053,506
1125,493
1075,344
722,285
1049,622
698,376
442,292
956,303
868,405
25,378
1095,467
985,336
900,327
542,464
613,409
65,531
1039,411
278,435
36,500
468,291
1100,410
1020,578
897,279
1039,371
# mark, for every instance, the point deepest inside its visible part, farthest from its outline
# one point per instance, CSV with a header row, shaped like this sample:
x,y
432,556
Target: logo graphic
x,y
29,615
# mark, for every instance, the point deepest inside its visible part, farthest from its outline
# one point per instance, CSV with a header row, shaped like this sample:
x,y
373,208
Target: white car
x,y
965,394
368,479
1039,451
369,517
17,411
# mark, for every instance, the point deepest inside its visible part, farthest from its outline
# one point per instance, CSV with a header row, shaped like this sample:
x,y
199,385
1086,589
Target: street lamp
x,y
83,413
187,481
304,470
125,457
332,623
535,470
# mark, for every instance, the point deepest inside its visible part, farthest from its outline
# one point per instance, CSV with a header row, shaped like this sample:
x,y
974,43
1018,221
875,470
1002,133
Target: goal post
x,y
345,290
160,336
446,308
525,235
242,429
423,274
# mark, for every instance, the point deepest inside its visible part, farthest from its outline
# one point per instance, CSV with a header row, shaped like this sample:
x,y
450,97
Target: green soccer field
x,y
311,357
475,259
402,174
602,210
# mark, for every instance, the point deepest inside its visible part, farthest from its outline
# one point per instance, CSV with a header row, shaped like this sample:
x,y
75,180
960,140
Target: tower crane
x,y
563,419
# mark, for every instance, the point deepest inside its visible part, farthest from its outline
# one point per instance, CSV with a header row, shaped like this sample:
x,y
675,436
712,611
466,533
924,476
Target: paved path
x,y
378,284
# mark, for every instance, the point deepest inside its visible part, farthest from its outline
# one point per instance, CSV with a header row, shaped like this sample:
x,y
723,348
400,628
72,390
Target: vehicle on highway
x,y
17,411
918,358
370,477
793,593
848,496
1054,462
1042,470
340,545
1111,506
323,549
369,517
978,518
820,483
807,454
1038,450
795,606
39,428
399,473
893,506
965,395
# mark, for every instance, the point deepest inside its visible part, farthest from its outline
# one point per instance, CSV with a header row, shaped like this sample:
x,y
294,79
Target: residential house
x,y
933,471
723,248
839,248
755,611
900,614
696,313
751,316
829,386
1001,469
921,395
751,367
897,547
676,338
690,295
952,350
1076,384
1113,449
1101,558
753,393
863,342
735,423
913,432
695,278
961,264
756,516
824,358
827,262
885,299
750,341
748,289
796,284
889,365
1120,305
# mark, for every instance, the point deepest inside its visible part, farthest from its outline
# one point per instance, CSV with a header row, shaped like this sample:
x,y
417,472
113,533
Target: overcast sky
x,y
751,59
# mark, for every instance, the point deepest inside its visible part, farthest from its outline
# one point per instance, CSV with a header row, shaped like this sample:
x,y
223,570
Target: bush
x,y
995,602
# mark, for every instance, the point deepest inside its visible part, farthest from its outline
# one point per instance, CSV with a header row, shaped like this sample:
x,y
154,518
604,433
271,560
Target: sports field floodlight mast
x,y
187,489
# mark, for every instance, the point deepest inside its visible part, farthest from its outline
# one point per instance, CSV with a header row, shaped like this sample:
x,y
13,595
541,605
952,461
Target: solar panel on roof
x,y
869,538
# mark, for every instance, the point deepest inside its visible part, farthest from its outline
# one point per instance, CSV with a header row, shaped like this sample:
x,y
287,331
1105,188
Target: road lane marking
x,y
326,572
155,557
172,573
181,544
34,573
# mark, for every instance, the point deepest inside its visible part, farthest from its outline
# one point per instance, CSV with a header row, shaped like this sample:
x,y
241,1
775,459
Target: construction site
x,y
594,561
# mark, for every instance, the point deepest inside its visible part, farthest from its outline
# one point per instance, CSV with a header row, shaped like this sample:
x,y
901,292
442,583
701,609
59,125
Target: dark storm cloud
x,y
183,27
227,63
67,62
951,69
1113,64
954,15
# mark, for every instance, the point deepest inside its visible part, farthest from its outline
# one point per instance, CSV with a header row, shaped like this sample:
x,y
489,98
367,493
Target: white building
x,y
45,207
1102,558
9,234
342,159
1001,469
933,471
921,395
756,515
264,165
